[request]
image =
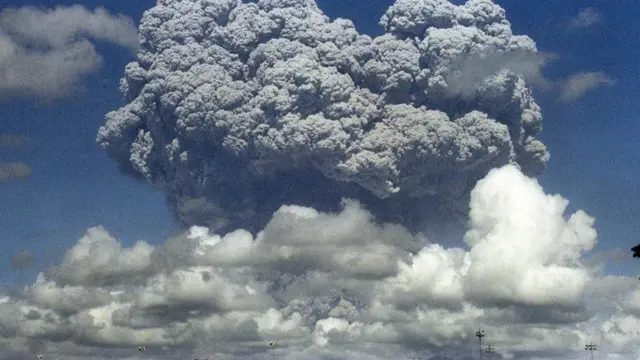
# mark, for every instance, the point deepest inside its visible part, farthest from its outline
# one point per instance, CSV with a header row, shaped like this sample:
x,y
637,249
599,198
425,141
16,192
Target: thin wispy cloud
x,y
14,171
581,83
23,259
13,140
586,18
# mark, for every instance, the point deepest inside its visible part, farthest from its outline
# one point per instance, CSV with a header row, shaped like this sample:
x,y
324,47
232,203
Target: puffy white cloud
x,y
338,285
103,261
47,52
523,256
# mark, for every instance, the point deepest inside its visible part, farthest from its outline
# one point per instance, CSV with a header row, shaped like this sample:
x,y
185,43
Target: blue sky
x,y
593,164
74,186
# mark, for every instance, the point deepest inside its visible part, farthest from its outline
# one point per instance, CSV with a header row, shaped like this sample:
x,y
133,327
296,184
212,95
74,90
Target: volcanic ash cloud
x,y
233,109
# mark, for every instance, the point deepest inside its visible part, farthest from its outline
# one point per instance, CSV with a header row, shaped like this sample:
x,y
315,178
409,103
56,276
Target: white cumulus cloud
x,y
47,52
338,285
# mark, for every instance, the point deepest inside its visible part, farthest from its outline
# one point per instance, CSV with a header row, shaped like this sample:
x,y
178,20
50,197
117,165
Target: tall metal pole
x,y
591,347
273,345
480,335
490,351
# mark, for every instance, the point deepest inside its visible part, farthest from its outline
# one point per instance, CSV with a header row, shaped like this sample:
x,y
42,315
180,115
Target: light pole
x,y
273,345
591,347
490,351
480,335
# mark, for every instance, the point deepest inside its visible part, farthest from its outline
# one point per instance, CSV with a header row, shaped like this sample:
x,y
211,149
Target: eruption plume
x,y
234,109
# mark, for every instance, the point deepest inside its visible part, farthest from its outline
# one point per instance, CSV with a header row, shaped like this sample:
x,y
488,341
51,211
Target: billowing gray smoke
x,y
236,108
